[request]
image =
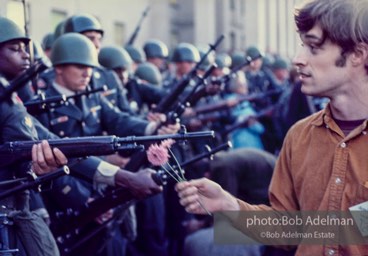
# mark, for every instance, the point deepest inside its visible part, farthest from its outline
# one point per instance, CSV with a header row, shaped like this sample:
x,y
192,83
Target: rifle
x,y
226,78
34,181
7,89
168,101
71,236
166,104
138,27
229,103
191,97
11,152
244,123
43,104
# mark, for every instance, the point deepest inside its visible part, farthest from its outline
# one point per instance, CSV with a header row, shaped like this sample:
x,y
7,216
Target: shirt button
x,y
343,145
338,181
331,252
83,124
364,132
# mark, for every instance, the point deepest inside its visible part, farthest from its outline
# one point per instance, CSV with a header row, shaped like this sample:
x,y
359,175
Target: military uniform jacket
x,y
115,93
142,93
97,116
16,124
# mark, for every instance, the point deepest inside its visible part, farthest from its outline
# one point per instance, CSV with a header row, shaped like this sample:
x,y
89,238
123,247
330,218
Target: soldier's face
x,y
95,37
123,74
73,77
183,68
14,58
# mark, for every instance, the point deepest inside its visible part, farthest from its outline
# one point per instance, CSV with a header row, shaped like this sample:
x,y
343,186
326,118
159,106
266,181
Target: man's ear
x,y
360,55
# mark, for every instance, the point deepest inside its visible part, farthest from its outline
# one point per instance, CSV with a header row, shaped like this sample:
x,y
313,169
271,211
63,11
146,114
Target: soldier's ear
x,y
58,70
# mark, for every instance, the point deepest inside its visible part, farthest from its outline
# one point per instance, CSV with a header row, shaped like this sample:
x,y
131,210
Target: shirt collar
x,y
63,90
324,118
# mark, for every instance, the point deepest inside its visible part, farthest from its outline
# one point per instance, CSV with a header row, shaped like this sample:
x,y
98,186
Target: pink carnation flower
x,y
157,155
167,143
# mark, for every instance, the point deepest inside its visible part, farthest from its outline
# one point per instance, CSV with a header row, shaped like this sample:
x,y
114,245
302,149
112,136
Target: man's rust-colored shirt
x,y
320,169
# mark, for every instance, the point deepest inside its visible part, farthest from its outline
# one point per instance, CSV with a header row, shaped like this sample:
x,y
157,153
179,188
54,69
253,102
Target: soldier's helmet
x,y
47,41
38,52
59,30
74,48
223,60
112,57
82,23
135,53
253,53
185,52
11,31
208,61
237,59
149,72
155,48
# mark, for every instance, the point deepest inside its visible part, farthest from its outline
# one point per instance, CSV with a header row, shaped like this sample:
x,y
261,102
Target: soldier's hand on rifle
x,y
45,159
140,183
169,129
156,117
160,118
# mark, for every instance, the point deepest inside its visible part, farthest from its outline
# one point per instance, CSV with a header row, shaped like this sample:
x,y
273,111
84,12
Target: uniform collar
x,y
62,90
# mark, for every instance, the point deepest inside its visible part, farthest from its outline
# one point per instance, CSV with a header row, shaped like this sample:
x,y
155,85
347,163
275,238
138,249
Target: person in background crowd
x,y
139,94
46,43
156,53
137,56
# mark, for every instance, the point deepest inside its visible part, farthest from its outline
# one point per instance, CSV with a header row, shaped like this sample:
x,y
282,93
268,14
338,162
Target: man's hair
x,y
343,22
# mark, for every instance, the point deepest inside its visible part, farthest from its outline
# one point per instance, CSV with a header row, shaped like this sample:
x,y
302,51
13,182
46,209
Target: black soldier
x,y
16,124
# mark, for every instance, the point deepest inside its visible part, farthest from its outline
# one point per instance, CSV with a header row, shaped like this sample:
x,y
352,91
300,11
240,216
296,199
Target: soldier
x,y
90,27
136,54
223,63
259,80
140,95
149,73
150,212
90,116
47,42
16,124
156,53
184,57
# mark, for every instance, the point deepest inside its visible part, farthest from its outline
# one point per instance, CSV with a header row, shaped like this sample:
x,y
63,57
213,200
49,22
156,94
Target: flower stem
x,y
177,164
